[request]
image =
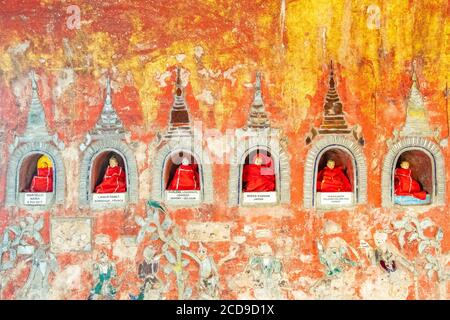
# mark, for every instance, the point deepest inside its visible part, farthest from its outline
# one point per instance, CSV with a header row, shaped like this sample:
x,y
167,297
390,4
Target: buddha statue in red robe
x,y
43,181
114,180
405,185
259,176
333,179
186,177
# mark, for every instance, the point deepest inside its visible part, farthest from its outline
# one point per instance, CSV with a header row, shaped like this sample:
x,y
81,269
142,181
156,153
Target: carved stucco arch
x,y
92,152
313,157
205,171
15,162
413,143
281,164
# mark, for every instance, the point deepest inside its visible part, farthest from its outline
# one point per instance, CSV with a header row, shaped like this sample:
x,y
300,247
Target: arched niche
x,y
342,158
421,166
167,161
259,198
347,154
93,166
28,172
100,164
427,166
21,170
173,162
281,166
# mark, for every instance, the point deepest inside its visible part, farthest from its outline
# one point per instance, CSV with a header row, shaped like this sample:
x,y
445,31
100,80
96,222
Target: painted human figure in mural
x,y
333,179
186,177
389,275
37,286
336,256
114,180
405,185
43,180
148,270
386,255
385,259
209,276
267,275
104,273
259,175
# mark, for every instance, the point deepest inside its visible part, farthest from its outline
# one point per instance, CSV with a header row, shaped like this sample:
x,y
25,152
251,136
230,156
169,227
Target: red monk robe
x,y
43,181
185,178
259,176
405,185
333,180
114,181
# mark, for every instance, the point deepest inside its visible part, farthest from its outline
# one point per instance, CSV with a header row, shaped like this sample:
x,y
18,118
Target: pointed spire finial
x,y
332,82
258,80
108,99
33,80
178,85
178,80
257,98
36,124
34,88
414,75
108,86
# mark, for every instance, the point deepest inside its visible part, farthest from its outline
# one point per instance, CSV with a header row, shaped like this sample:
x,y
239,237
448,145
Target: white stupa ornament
x,y
36,124
258,118
416,123
108,122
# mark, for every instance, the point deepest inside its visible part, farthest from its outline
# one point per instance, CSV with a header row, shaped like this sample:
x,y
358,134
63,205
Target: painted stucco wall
x,y
74,46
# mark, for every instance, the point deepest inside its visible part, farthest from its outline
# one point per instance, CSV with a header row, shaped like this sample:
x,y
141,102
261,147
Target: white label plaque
x,y
35,198
183,195
259,197
103,198
336,198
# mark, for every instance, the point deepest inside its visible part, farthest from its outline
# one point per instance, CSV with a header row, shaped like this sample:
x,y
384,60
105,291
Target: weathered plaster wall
x,y
74,45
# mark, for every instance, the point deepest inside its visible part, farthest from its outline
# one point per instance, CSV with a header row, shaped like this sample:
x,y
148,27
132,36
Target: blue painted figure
x,y
104,272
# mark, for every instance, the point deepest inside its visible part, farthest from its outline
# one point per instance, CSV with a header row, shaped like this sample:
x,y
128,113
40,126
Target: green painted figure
x,y
104,272
335,257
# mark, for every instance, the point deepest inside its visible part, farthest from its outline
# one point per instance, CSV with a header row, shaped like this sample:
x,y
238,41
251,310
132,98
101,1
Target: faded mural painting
x,y
269,149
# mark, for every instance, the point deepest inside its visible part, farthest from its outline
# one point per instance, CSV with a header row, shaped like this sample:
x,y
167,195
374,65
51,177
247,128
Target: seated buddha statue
x,y
43,180
405,185
114,180
259,176
186,177
333,179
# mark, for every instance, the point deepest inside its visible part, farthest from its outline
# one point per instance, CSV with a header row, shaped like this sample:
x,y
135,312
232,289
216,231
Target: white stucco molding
x,y
189,145
14,166
266,140
318,148
104,145
407,144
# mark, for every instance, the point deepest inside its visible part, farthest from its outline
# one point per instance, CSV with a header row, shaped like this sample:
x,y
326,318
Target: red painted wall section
x,y
220,46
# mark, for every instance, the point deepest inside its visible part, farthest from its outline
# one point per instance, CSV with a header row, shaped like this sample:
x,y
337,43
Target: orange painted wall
x,y
136,42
